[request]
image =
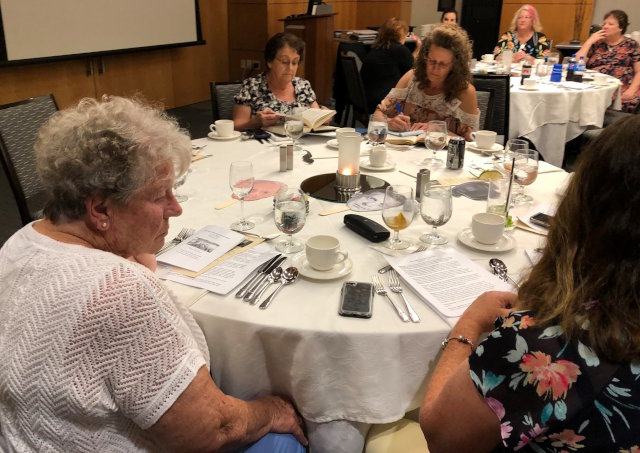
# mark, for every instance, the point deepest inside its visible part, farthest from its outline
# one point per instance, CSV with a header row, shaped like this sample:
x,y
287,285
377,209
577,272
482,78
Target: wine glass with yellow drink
x,y
397,212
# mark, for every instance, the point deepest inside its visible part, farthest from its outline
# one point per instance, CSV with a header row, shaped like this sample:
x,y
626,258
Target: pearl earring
x,y
104,224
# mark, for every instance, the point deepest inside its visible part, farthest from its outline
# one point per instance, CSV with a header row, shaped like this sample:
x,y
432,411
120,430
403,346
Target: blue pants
x,y
276,443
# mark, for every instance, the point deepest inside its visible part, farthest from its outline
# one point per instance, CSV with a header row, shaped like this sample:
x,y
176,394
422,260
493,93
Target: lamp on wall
x,y
577,21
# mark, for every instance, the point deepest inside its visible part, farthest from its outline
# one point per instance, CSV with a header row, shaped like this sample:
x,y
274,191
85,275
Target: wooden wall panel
x,y
556,16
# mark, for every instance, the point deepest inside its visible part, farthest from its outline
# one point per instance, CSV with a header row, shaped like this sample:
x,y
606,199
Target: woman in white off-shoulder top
x,y
438,88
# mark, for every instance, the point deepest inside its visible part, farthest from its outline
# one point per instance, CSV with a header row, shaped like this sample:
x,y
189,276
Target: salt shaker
x,y
283,157
422,183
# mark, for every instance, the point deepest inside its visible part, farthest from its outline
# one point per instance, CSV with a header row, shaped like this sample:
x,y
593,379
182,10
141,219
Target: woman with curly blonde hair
x,y
560,367
524,38
438,87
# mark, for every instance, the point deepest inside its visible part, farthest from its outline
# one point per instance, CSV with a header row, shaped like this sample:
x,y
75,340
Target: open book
x,y
404,139
313,120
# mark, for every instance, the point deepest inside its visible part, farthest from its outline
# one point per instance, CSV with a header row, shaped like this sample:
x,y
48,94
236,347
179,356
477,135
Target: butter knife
x,y
253,291
242,291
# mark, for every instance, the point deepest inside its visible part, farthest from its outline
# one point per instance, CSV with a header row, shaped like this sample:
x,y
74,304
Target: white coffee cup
x,y
487,228
488,57
223,128
323,252
600,78
484,139
530,84
378,156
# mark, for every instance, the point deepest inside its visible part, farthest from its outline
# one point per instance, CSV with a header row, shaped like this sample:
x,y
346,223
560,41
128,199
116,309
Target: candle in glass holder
x,y
349,153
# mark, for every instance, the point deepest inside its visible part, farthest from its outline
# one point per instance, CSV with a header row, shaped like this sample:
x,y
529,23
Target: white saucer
x,y
494,148
522,87
333,143
338,271
366,164
505,243
214,136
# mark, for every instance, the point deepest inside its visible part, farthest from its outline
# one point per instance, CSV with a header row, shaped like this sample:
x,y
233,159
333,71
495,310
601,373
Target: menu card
x,y
205,246
446,279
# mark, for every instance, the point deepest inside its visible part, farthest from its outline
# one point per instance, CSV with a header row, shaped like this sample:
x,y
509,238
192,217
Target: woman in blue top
x,y
560,373
525,38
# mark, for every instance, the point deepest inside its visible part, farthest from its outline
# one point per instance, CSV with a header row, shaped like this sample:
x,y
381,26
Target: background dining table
x,y
342,373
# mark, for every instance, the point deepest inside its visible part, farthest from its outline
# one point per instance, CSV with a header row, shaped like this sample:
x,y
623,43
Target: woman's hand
x,y
482,313
267,117
628,94
594,38
419,127
519,56
399,123
285,419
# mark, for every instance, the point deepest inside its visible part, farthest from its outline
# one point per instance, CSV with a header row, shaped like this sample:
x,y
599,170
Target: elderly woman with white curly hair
x,y
96,354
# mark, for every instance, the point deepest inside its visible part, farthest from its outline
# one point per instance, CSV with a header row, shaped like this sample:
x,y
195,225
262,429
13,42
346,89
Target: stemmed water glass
x,y
293,125
435,210
180,197
435,139
377,129
526,173
290,213
241,182
397,212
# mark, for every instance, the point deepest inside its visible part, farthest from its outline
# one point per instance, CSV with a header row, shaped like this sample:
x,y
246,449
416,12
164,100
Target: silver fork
x,y
394,286
386,268
379,289
182,235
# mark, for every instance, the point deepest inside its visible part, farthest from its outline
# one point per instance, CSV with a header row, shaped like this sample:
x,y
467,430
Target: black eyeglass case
x,y
367,228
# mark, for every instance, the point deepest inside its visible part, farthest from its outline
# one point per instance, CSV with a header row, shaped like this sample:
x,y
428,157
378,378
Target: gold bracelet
x,y
459,338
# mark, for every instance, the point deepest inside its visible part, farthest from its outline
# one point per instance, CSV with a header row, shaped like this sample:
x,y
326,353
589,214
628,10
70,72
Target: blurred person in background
x,y
524,38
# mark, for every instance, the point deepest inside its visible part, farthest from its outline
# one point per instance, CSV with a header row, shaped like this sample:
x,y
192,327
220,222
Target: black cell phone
x,y
541,219
356,299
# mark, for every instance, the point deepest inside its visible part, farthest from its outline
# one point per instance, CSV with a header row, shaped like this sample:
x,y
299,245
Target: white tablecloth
x,y
552,115
334,368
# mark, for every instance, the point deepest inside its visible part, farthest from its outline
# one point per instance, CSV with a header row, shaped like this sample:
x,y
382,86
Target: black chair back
x,y
355,90
499,85
485,105
222,94
19,125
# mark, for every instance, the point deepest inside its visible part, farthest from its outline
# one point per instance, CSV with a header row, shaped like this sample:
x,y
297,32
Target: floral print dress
x,y
554,396
256,94
537,46
617,61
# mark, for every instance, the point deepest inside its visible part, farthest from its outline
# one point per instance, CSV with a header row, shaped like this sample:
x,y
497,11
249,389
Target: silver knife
x,y
242,291
253,292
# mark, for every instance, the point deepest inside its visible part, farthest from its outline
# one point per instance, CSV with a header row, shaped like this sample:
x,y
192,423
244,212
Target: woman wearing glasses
x,y
438,88
277,90
525,39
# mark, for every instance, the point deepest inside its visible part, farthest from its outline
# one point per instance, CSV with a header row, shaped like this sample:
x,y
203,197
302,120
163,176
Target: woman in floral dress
x,y
610,52
525,38
560,370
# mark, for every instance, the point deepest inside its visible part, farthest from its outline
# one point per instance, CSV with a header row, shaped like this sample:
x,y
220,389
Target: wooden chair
x,y
19,125
357,101
499,85
222,94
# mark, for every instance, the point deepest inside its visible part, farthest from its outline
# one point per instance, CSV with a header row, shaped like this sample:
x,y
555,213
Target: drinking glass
x,y
435,139
397,213
294,126
553,58
526,173
290,212
377,129
435,210
513,146
241,182
180,197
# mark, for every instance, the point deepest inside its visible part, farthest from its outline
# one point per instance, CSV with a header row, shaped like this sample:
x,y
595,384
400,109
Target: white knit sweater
x,y
93,349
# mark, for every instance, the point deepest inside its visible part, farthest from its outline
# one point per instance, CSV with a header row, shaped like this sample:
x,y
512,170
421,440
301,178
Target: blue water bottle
x,y
556,73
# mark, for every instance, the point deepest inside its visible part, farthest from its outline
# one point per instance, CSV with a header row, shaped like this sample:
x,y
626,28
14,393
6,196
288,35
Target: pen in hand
x,y
399,108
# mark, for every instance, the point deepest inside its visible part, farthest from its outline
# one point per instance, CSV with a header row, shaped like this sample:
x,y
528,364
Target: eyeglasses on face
x,y
285,62
438,64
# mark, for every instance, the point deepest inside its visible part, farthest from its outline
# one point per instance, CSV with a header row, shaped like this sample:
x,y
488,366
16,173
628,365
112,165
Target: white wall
x,y
631,7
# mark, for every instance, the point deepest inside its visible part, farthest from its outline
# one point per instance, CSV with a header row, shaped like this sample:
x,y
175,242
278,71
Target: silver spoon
x,y
273,277
288,276
500,269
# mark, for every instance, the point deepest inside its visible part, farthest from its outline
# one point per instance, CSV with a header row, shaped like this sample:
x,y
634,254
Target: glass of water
x,y
290,213
294,126
435,139
377,129
241,182
435,210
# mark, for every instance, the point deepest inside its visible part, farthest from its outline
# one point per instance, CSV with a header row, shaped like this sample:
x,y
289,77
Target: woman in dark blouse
x,y
388,60
560,373
263,99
